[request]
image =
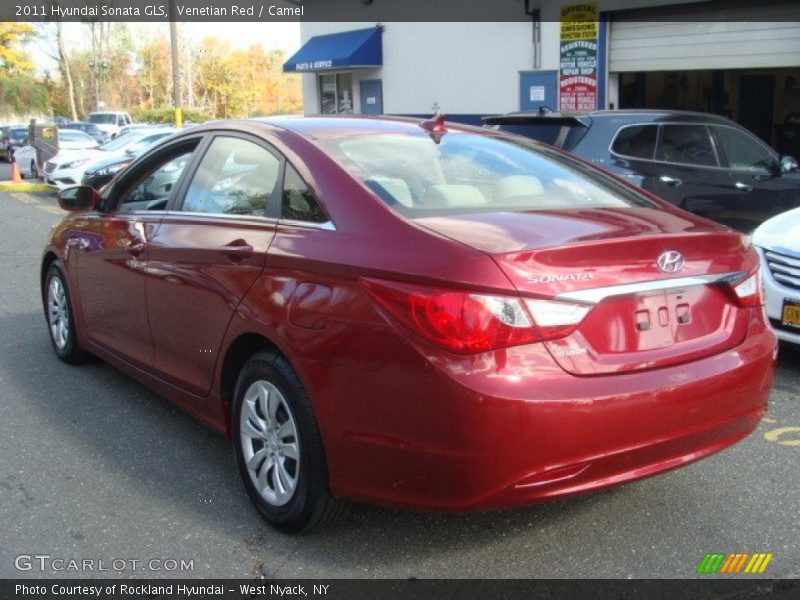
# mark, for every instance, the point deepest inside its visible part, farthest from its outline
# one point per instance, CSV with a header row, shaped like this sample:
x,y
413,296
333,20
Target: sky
x,y
283,36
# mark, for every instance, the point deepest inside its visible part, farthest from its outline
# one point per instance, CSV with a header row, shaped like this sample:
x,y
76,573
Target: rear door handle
x,y
742,186
670,181
237,250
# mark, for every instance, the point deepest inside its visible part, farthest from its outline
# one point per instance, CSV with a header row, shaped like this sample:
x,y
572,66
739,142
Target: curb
x,y
14,186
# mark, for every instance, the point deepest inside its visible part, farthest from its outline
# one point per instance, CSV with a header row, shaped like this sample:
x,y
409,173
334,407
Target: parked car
x,y
12,138
25,157
411,313
99,171
109,122
89,129
703,163
67,168
778,241
69,142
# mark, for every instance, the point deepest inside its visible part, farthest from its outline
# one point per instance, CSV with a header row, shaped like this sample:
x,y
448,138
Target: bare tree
x,y
63,63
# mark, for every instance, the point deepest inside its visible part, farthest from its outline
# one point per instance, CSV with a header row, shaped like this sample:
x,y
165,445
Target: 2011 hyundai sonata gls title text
x,y
413,314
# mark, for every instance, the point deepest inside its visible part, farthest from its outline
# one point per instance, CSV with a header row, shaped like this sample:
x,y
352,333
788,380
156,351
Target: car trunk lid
x,y
640,315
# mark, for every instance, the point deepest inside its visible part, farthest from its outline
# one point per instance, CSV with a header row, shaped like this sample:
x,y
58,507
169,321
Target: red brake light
x,y
467,322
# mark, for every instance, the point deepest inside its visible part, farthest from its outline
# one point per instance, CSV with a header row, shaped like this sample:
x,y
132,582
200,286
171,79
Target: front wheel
x,y
60,319
278,447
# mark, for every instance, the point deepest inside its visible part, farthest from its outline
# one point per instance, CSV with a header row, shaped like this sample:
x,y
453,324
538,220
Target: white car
x,y
25,157
67,168
109,122
778,242
69,140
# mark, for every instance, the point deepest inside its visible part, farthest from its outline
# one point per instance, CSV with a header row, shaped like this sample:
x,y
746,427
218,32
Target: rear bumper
x,y
507,428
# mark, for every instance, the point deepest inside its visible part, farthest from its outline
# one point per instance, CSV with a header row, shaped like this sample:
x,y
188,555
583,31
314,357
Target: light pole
x,y
98,67
176,75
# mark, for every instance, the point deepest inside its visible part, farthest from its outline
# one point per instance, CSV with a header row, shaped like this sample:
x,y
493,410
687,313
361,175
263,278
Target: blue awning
x,y
358,49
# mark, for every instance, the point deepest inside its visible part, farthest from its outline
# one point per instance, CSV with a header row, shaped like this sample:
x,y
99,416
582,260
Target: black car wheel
x,y
278,447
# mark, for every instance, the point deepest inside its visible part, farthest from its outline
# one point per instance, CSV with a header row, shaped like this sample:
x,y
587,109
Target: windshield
x,y
468,173
102,118
72,135
17,134
144,143
119,142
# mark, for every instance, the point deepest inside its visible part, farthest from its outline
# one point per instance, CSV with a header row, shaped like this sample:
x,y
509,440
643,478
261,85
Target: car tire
x,y
278,447
60,317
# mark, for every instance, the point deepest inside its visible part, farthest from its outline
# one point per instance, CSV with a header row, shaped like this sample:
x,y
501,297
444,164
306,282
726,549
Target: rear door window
x,y
686,145
636,141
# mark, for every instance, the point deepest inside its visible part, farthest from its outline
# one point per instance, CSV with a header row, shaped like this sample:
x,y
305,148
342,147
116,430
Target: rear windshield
x,y
104,118
555,134
469,173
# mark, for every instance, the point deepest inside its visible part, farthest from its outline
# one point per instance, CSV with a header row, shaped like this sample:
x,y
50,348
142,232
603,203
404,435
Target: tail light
x,y
467,322
750,292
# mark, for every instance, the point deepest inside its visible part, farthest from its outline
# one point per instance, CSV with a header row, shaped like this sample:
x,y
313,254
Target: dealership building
x,y
736,58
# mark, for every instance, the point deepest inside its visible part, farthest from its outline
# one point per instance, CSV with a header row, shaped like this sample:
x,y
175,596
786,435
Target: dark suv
x,y
703,163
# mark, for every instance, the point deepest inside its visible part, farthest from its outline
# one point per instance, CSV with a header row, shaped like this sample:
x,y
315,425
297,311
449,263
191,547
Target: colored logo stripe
x,y
734,563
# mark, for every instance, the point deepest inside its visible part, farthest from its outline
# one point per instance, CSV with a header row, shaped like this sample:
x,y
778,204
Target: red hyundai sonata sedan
x,y
413,314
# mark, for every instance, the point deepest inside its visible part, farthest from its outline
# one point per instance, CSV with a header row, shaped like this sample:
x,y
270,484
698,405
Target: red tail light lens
x,y
465,322
750,292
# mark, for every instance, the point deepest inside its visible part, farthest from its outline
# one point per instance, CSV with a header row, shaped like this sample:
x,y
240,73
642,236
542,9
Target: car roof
x,y
634,114
324,126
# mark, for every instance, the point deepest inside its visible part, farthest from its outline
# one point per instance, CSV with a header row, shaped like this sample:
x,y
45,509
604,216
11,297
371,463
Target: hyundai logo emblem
x,y
670,261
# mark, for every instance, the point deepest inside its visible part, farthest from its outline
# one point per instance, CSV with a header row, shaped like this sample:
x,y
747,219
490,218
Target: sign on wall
x,y
577,76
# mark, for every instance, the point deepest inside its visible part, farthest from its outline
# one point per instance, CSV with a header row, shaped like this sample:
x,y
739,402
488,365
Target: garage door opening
x,y
765,101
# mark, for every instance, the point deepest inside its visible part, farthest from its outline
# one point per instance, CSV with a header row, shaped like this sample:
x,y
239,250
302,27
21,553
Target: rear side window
x,y
298,203
235,177
637,141
687,145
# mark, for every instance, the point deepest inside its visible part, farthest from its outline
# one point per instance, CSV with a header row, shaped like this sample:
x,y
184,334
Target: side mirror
x,y
788,164
78,197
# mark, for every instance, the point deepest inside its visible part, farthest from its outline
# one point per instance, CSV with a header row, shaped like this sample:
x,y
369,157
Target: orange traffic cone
x,y
15,174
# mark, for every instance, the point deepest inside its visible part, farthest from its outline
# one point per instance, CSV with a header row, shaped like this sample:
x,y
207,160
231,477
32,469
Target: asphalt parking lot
x,y
94,466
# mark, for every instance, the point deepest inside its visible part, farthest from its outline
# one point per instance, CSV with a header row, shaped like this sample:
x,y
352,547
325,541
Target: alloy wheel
x,y
58,312
270,447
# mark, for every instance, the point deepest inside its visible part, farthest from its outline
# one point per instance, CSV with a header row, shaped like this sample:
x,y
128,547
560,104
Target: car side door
x,y
760,190
210,249
112,250
690,174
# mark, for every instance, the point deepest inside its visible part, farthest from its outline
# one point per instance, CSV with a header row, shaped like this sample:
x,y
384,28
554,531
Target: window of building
x,y
336,94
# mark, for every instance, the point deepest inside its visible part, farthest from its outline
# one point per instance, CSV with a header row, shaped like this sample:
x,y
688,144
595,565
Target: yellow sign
x,y
579,21
48,133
